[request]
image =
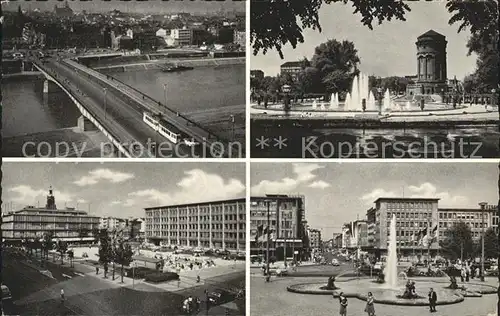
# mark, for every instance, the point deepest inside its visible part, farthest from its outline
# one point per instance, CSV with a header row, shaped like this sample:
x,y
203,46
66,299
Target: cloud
x,y
26,194
196,186
95,176
303,174
319,185
377,193
424,190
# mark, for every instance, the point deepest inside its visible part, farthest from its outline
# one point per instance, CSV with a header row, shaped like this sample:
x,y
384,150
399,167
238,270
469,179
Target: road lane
x,y
127,115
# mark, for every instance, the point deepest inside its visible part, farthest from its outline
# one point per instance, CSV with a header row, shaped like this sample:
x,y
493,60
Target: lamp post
x,y
286,90
267,243
483,207
231,117
165,94
105,101
379,95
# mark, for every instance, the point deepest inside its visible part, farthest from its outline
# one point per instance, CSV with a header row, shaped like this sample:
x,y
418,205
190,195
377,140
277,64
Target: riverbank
x,y
60,143
158,64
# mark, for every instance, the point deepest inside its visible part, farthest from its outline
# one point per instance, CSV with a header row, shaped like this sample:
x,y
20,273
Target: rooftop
x,y
432,33
405,199
197,203
292,64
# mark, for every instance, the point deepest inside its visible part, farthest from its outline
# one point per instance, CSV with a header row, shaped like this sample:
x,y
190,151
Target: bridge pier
x,y
85,125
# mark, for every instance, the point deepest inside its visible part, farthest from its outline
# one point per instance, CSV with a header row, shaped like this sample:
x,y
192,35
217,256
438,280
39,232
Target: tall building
x,y
431,65
291,67
337,240
208,225
359,234
32,222
315,239
282,217
412,216
475,218
494,216
64,12
182,36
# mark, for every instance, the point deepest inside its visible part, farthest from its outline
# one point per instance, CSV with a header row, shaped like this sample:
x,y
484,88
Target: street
x,y
86,294
124,117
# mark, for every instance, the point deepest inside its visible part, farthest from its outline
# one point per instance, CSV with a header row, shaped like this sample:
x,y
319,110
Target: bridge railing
x,y
172,111
94,118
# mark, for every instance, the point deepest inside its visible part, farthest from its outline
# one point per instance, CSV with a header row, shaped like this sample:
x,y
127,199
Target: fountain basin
x,y
359,288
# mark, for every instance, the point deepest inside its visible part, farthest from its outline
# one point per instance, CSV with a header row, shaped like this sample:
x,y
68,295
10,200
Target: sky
x,y
119,189
337,193
388,50
132,6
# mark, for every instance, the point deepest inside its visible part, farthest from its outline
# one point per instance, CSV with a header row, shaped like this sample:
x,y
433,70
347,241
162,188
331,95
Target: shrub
x,y
139,272
161,277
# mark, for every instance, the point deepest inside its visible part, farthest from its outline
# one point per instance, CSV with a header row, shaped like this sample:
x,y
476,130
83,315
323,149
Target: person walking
x,y
343,304
432,300
370,305
62,296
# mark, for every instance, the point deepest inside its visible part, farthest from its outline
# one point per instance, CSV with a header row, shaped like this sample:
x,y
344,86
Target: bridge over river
x,y
117,110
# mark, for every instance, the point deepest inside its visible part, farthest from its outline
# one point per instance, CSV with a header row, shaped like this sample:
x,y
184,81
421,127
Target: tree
x,y
47,243
62,247
490,244
105,250
458,242
123,255
336,63
276,23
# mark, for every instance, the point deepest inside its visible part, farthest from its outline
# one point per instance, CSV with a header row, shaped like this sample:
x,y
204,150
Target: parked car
x,y
335,263
6,295
220,296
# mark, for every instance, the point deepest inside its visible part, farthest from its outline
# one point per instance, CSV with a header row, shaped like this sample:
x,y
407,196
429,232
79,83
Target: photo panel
x,y
123,238
132,79
354,238
353,79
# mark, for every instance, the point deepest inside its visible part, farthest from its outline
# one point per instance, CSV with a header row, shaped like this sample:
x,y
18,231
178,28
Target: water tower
x,y
431,75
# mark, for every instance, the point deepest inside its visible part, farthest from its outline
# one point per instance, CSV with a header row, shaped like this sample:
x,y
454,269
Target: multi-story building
x,y
315,239
137,228
337,240
112,223
207,225
182,36
346,236
291,67
475,218
494,216
412,215
32,222
359,234
282,217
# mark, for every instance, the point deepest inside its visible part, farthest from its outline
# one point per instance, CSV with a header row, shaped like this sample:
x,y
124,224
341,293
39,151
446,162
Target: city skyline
x,y
337,193
119,189
388,50
151,6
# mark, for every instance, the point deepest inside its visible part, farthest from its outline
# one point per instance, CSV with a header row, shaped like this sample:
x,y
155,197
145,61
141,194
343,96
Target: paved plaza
x,y
274,299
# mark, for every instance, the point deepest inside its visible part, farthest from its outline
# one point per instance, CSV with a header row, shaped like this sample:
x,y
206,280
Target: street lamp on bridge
x,y
286,90
105,101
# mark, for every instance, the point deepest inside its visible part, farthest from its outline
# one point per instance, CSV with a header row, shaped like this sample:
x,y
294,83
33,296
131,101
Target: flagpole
x,y
268,227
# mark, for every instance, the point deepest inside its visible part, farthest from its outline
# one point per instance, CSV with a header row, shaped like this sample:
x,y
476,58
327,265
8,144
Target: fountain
x,y
391,266
388,289
386,103
315,104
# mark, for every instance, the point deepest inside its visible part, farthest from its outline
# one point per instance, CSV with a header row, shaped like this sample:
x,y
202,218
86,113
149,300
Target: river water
x,y
207,94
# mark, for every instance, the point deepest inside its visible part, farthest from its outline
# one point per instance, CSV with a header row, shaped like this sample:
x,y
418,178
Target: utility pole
x,y
267,245
483,206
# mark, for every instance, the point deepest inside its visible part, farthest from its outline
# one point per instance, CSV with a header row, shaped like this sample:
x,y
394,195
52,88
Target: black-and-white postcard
x,y
374,238
123,239
134,79
374,79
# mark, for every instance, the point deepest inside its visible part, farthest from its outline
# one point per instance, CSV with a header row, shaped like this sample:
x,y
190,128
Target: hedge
x,y
161,277
139,272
